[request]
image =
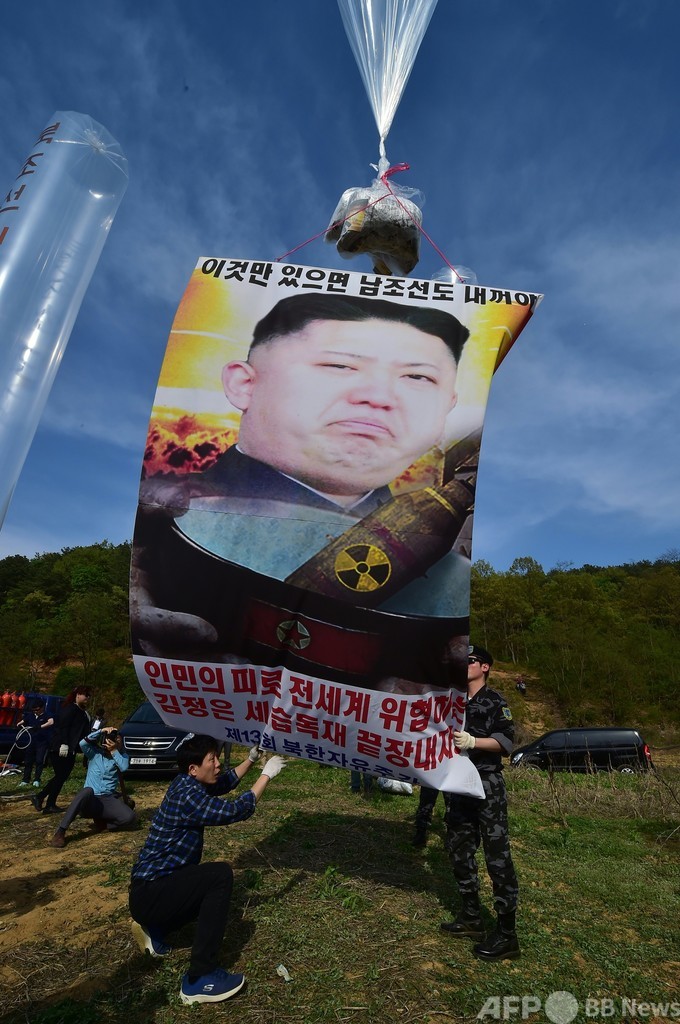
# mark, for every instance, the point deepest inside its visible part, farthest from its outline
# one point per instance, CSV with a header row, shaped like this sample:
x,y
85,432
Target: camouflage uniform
x,y
470,821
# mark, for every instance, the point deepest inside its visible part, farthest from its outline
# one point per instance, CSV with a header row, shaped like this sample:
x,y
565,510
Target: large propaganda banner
x,y
301,557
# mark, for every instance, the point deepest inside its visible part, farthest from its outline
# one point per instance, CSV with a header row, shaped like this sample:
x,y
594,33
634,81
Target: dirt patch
x,y
668,757
535,713
65,900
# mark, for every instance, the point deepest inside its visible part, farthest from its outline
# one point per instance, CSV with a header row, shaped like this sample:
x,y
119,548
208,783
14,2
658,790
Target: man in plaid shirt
x,y
169,884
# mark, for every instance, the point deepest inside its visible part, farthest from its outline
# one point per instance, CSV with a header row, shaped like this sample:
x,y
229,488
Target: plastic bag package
x,y
383,223
395,786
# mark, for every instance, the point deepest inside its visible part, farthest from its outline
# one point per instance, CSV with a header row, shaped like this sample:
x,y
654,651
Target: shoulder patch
x,y
507,713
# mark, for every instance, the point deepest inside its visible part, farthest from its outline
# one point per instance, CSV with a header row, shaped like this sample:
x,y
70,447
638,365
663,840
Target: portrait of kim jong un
x,y
322,487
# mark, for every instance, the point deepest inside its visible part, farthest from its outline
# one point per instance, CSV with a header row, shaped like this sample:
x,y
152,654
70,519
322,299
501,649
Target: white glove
x,y
63,750
254,755
273,766
463,740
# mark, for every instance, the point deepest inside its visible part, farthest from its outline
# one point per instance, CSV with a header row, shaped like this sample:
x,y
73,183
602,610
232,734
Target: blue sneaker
x,y
211,988
149,940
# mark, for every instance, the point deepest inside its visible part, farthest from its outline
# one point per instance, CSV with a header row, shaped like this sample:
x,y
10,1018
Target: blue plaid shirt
x,y
176,835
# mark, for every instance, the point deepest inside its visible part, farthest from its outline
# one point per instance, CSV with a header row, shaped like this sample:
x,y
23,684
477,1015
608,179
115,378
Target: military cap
x,y
479,652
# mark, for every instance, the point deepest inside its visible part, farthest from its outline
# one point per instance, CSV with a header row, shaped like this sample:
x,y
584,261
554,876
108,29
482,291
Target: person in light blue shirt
x,y
100,798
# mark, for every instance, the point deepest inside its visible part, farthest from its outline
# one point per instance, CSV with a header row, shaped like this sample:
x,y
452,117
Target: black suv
x,y
586,750
150,744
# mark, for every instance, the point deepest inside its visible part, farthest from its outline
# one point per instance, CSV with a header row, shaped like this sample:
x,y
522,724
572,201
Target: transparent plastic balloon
x,y
455,275
385,36
53,225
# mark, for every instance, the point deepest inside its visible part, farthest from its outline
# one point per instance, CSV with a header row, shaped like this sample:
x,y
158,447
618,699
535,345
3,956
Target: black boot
x,y
502,943
419,836
468,924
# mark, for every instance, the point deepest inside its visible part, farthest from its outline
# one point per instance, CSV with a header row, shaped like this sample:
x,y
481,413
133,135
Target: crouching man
x,y
170,887
100,798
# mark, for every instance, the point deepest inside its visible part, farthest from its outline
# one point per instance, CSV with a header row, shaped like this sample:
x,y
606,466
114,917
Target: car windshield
x,y
146,714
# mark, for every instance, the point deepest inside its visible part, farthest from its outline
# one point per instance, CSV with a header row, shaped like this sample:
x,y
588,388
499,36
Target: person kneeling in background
x,y
170,887
99,798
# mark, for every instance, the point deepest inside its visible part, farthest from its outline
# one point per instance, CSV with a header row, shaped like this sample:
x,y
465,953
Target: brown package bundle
x,y
383,223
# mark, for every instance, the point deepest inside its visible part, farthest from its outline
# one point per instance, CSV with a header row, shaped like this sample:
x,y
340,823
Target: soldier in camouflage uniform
x,y
469,821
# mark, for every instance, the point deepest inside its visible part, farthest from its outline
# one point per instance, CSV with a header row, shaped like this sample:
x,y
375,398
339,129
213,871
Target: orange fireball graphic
x,y
185,443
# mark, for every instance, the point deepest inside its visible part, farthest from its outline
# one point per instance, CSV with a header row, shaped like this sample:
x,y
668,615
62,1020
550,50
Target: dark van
x,y
13,741
586,750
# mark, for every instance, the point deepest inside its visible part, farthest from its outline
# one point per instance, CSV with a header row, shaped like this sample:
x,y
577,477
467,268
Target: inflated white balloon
x,y
53,225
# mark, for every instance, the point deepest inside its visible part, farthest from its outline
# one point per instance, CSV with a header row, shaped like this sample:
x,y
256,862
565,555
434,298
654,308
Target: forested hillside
x,y
604,642
64,620
601,644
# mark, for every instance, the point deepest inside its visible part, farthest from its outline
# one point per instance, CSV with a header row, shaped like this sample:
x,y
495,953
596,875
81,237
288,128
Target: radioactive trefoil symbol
x,y
363,568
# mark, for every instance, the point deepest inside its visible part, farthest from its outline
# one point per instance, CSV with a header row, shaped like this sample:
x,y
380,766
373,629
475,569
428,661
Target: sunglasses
x,y
473,661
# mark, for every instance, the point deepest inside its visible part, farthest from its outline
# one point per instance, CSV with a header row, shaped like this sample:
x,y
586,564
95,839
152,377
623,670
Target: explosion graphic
x,y
181,443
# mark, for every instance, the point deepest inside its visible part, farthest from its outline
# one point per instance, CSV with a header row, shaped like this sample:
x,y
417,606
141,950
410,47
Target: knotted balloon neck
x,y
395,169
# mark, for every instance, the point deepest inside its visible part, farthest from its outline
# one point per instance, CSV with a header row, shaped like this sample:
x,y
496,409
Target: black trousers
x,y
426,802
197,892
35,755
62,768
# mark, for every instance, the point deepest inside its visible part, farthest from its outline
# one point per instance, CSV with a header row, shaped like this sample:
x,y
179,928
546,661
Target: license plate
x,y
142,760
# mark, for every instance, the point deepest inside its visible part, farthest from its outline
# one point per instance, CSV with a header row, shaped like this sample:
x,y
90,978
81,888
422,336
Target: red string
x,y
419,226
383,177
394,170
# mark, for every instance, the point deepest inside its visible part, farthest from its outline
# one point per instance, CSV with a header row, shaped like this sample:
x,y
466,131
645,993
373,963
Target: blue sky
x,y
545,138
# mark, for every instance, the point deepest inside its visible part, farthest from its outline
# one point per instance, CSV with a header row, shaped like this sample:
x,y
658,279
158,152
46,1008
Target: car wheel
x,y
626,769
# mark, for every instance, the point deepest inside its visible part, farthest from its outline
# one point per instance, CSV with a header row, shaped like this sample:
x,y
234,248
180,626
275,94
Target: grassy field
x,y
328,885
